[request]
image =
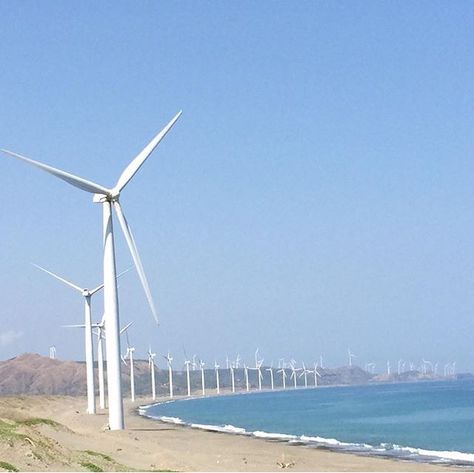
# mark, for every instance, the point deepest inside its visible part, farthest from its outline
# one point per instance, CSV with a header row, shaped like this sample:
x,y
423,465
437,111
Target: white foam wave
x,y
273,436
384,449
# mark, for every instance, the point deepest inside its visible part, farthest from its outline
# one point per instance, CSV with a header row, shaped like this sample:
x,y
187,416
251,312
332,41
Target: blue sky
x,y
316,193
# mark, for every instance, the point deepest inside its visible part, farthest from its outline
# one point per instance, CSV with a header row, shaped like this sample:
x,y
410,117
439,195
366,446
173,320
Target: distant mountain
x,y
36,374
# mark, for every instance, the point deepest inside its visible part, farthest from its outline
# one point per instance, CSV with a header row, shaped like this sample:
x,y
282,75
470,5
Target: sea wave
x,y
384,449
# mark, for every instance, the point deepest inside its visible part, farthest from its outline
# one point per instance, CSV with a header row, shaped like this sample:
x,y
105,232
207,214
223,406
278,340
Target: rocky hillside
x,y
35,374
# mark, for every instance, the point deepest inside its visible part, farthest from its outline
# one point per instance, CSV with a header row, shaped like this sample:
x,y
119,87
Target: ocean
x,y
424,421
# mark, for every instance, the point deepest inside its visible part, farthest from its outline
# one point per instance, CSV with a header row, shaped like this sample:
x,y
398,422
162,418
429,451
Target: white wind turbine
x,y
89,350
270,370
246,372
129,355
258,367
151,365
216,368
294,375
388,367
351,355
100,362
304,372
52,352
316,374
169,359
89,347
109,198
187,363
283,376
232,376
203,385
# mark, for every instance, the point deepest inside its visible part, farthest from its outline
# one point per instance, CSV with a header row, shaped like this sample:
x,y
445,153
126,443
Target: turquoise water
x,y
420,421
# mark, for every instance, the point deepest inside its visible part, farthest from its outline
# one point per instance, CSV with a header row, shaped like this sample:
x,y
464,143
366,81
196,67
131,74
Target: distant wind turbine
x,y
203,384
188,380
351,355
316,374
151,366
270,370
283,376
52,352
129,355
169,359
216,368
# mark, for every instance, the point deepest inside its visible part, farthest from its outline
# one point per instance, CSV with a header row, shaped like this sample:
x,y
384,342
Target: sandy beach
x,y
53,433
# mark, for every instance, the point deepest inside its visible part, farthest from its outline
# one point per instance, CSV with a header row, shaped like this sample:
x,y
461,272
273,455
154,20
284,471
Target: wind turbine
x,y
169,359
388,367
89,348
426,362
246,372
109,198
216,368
316,374
258,367
283,376
187,363
100,362
52,352
304,373
129,354
271,376
293,373
203,385
232,376
351,355
151,365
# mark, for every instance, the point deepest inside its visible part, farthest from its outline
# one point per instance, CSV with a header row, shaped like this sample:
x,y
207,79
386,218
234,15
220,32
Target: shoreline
x,y
415,455
53,433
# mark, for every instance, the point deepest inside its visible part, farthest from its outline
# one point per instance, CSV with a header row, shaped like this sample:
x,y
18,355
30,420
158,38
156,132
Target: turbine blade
x,y
97,289
101,286
126,327
74,326
75,181
136,257
137,162
68,283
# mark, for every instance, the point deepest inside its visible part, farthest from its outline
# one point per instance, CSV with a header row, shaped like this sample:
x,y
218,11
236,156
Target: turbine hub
x,y
101,198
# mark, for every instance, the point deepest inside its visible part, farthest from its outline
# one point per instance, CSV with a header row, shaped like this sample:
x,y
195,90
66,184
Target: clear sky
x,y
317,192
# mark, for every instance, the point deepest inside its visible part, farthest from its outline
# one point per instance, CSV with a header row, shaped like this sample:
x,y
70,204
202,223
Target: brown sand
x,y
82,443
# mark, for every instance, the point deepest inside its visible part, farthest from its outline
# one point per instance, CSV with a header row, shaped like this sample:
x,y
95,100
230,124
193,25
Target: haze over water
x,y
391,419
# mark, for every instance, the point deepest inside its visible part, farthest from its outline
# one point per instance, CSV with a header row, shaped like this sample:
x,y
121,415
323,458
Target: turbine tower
x,y
351,355
216,368
151,365
187,363
129,355
169,359
283,376
109,198
270,370
203,384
